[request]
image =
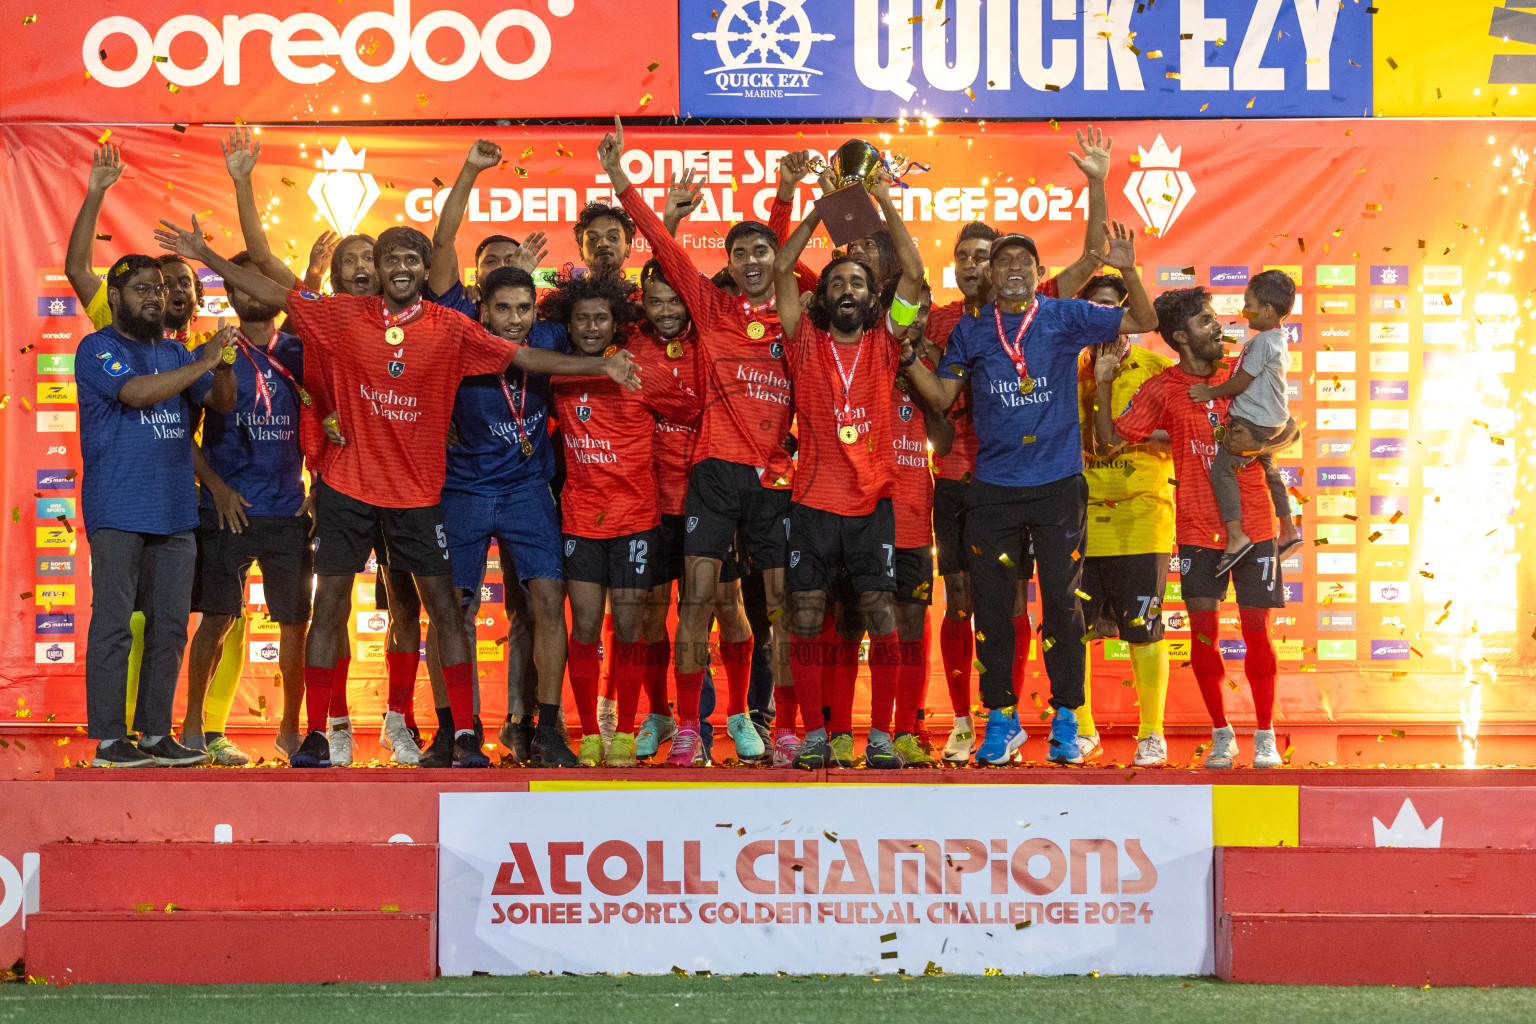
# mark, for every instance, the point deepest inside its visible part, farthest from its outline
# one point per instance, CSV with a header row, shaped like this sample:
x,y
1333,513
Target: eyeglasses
x,y
144,290
976,261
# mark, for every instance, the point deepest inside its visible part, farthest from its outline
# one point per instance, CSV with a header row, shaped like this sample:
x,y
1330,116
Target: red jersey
x,y
742,375
913,494
607,433
395,402
960,462
844,479
674,439
1163,403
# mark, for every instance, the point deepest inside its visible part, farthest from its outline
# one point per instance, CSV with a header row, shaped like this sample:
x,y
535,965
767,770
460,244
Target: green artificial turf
x,y
946,999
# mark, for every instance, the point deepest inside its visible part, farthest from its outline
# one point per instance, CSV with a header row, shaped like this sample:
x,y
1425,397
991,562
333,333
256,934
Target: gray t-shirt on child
x,y
1267,358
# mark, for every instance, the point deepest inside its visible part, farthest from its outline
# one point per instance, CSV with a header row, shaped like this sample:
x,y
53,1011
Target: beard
x,y
138,325
847,319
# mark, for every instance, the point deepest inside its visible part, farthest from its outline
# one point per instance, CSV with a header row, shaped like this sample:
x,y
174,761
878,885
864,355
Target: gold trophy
x,y
850,212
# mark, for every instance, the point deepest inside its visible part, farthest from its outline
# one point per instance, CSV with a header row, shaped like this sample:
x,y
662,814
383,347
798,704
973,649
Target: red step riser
x,y
1264,880
238,876
1376,949
230,948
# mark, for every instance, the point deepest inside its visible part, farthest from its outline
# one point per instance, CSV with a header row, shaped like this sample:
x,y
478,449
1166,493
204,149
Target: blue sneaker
x,y
745,738
1065,748
314,752
1003,739
656,730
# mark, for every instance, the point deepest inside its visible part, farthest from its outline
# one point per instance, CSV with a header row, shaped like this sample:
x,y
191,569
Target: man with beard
x,y
604,235
1028,490
740,472
251,508
500,463
139,500
1188,324
392,364
953,471
843,361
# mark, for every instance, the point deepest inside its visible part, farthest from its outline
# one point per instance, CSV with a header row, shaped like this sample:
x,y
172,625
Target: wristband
x,y
902,314
909,359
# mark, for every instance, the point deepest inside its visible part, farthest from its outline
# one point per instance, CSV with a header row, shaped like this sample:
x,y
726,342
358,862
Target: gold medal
x,y
848,434
1026,385
394,335
304,397
755,330
229,355
1218,432
674,349
525,446
610,351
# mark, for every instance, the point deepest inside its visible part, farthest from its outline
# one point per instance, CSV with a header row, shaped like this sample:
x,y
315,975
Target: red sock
x,y
806,655
317,695
658,658
785,703
1259,663
400,666
460,681
339,688
629,669
1205,659
690,688
955,645
737,656
581,662
845,675
610,685
884,670
910,683
1022,634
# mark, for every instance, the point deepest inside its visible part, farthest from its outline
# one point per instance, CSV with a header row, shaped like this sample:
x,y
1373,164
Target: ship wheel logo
x,y
763,35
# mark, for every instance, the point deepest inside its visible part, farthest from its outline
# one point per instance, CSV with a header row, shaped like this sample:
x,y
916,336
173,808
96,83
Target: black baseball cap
x,y
1008,241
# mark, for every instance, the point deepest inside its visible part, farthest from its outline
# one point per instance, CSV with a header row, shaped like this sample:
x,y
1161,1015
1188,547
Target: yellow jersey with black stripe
x,y
1130,494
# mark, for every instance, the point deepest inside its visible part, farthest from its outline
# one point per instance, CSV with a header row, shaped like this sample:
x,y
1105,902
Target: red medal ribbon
x,y
516,410
263,393
1016,349
847,378
392,319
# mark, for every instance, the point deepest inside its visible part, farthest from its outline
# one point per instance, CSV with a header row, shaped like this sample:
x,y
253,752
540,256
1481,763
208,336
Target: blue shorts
x,y
526,528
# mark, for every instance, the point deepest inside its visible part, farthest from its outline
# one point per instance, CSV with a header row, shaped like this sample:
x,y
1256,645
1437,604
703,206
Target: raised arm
x,y
240,156
1094,163
191,245
683,197
1139,315
106,168
320,259
620,366
910,288
786,280
444,270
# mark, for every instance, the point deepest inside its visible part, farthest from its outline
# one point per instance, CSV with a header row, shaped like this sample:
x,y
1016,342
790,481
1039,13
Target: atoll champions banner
x,y
1055,880
1408,346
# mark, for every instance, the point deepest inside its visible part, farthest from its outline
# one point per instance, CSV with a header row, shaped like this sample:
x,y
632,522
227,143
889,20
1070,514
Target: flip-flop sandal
x,y
1231,558
1292,546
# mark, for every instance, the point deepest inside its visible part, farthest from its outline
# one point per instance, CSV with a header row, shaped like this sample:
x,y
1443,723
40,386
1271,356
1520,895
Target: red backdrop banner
x,y
1408,358
317,60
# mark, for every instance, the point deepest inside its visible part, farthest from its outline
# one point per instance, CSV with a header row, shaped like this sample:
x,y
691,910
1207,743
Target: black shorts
x,y
949,526
820,543
619,563
1256,578
914,575
668,562
1125,596
344,534
279,543
724,496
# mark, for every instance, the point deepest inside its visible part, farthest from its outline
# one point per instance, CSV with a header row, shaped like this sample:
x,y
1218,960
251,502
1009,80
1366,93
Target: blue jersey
x,y
456,298
1025,440
137,462
488,458
252,450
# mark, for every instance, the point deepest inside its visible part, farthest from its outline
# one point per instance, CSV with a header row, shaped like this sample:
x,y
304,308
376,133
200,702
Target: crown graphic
x,y
1408,829
1160,155
344,159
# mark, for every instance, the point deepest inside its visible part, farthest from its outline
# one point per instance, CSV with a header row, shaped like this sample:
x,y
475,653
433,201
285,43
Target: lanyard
x,y
524,443
393,319
1016,349
847,378
263,394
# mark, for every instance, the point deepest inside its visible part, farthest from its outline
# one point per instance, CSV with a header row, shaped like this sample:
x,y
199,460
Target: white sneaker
x,y
397,737
1223,748
607,721
1151,750
340,737
962,740
1088,743
1265,753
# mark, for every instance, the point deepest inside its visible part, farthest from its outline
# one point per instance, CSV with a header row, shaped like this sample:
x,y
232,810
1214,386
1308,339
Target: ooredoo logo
x,y
351,43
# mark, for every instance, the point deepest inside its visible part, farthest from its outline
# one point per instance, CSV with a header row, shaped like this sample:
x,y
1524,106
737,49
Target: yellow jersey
x,y
1130,494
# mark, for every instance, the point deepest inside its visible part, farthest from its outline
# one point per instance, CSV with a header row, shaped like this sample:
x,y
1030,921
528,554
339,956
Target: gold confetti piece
x,y
831,837
289,182
1022,925
390,908
171,908
438,182
1138,621
1005,559
1085,597
1391,63
1426,575
645,99
1250,103
1395,517
104,136
28,19
1373,207
172,87
179,128
889,955
969,92
143,908
421,98
977,665
160,60
1047,644
741,831
1029,439
992,972
888,937
981,637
